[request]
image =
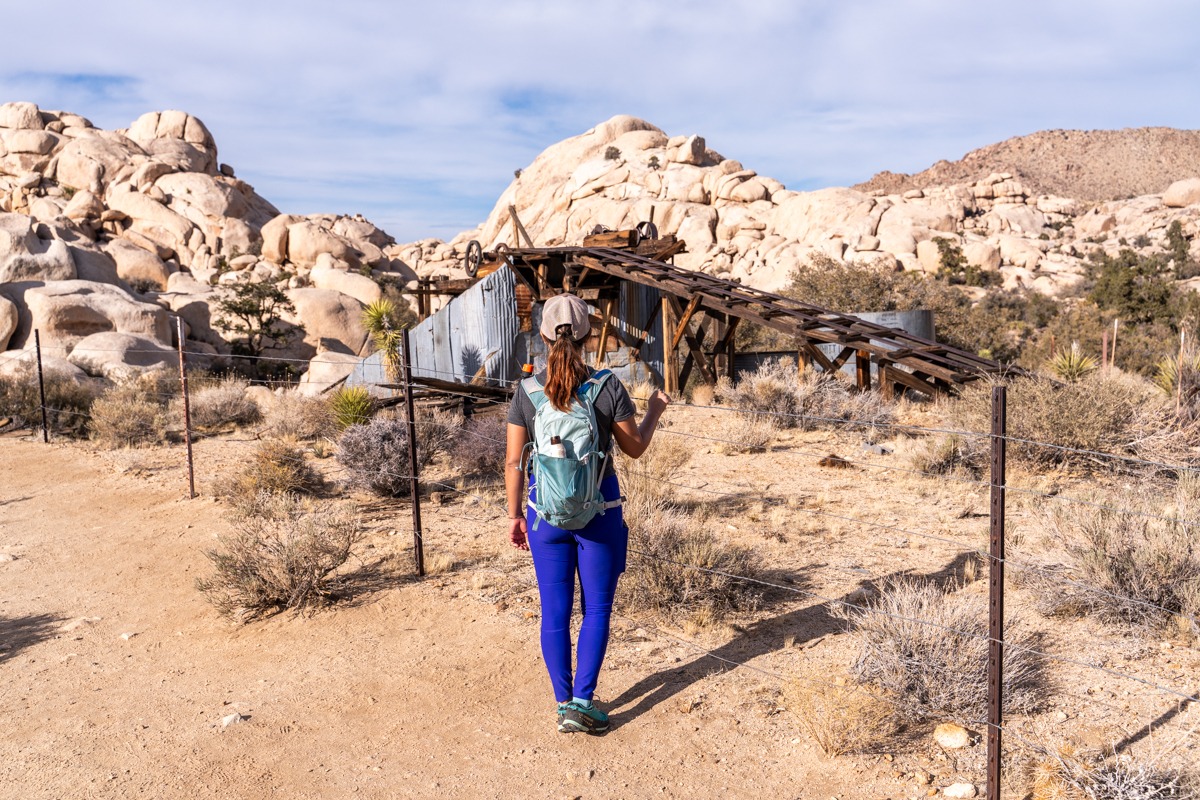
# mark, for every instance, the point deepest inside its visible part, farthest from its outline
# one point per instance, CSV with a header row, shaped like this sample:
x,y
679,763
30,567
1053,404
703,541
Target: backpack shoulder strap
x,y
590,389
535,392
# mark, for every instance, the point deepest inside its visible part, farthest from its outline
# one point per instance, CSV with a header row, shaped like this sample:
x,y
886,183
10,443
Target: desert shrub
x,y
612,153
284,552
1072,364
277,467
437,431
841,717
375,455
1110,413
1068,773
947,454
648,483
767,393
131,414
223,402
1139,549
296,416
747,435
675,566
351,405
924,647
777,393
68,401
480,447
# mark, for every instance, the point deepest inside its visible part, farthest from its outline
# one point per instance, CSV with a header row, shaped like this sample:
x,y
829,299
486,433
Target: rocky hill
x,y
1089,166
107,236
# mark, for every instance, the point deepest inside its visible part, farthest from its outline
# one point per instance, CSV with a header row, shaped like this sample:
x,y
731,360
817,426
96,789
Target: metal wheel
x,y
647,230
473,259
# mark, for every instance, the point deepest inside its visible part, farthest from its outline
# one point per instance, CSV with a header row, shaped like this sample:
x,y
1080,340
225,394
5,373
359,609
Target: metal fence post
x,y
187,410
37,346
996,593
414,479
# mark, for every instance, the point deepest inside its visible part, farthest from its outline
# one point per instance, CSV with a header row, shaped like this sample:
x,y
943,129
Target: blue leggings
x,y
597,552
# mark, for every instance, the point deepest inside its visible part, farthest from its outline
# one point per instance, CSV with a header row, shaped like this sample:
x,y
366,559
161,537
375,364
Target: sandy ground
x,y
117,674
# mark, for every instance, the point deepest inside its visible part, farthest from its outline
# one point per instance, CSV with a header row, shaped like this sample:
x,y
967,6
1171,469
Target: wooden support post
x,y
602,346
670,368
684,317
518,228
862,366
886,387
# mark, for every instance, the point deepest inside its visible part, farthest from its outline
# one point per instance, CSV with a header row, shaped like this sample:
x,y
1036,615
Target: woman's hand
x,y
659,401
516,533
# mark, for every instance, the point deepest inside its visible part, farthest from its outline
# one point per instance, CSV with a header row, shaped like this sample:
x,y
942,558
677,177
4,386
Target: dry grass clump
x,y
1068,774
1138,549
296,416
68,401
648,482
277,467
676,564
925,649
130,414
779,394
842,717
747,435
1114,413
479,449
224,402
948,454
284,552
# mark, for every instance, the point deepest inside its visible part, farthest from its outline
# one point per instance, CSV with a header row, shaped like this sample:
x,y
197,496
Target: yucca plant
x,y
352,405
382,320
1072,365
1170,370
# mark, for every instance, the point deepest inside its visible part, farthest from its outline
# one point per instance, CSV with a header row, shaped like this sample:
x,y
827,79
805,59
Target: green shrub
x,y
351,405
611,153
284,552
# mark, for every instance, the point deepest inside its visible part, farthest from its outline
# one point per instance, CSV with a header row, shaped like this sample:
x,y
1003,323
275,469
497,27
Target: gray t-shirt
x,y
613,405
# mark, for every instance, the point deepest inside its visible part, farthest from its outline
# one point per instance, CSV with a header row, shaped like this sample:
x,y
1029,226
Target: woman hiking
x,y
576,525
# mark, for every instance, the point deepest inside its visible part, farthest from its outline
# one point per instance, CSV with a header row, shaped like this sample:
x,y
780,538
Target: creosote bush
x,y
296,416
284,553
221,403
1139,549
277,467
68,401
924,647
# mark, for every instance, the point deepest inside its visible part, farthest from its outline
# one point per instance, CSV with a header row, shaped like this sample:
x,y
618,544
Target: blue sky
x,y
416,115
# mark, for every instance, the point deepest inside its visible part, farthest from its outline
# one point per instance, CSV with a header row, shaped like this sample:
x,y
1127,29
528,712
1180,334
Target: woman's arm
x,y
633,437
514,484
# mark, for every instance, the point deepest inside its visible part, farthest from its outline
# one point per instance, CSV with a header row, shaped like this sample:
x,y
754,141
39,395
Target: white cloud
x,y
417,115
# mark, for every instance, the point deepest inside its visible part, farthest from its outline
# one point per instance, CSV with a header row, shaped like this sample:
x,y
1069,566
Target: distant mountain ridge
x,y
1091,166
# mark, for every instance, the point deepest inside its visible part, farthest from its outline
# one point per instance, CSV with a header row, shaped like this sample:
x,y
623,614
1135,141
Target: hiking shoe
x,y
562,711
583,719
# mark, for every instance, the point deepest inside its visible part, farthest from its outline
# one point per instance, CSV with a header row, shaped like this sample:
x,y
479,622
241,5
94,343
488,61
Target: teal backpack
x,y
567,467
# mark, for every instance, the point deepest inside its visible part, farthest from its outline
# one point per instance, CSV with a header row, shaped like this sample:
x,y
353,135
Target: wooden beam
x,y
817,356
910,381
684,317
842,358
519,229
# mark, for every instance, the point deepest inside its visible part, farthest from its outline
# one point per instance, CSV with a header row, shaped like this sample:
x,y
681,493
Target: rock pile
x,y
745,226
107,236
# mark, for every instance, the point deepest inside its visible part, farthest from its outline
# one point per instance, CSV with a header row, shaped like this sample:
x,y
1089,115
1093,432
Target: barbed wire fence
x,y
994,554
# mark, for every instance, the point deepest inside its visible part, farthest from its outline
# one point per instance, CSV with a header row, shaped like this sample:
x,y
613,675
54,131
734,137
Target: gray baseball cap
x,y
565,309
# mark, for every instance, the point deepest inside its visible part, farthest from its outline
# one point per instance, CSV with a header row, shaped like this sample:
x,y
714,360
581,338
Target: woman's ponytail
x,y
565,370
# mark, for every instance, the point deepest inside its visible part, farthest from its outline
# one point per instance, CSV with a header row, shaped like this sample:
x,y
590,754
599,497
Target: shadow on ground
x,y
18,633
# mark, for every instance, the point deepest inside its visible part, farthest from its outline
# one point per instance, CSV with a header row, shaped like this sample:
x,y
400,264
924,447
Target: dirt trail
x,y
415,690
